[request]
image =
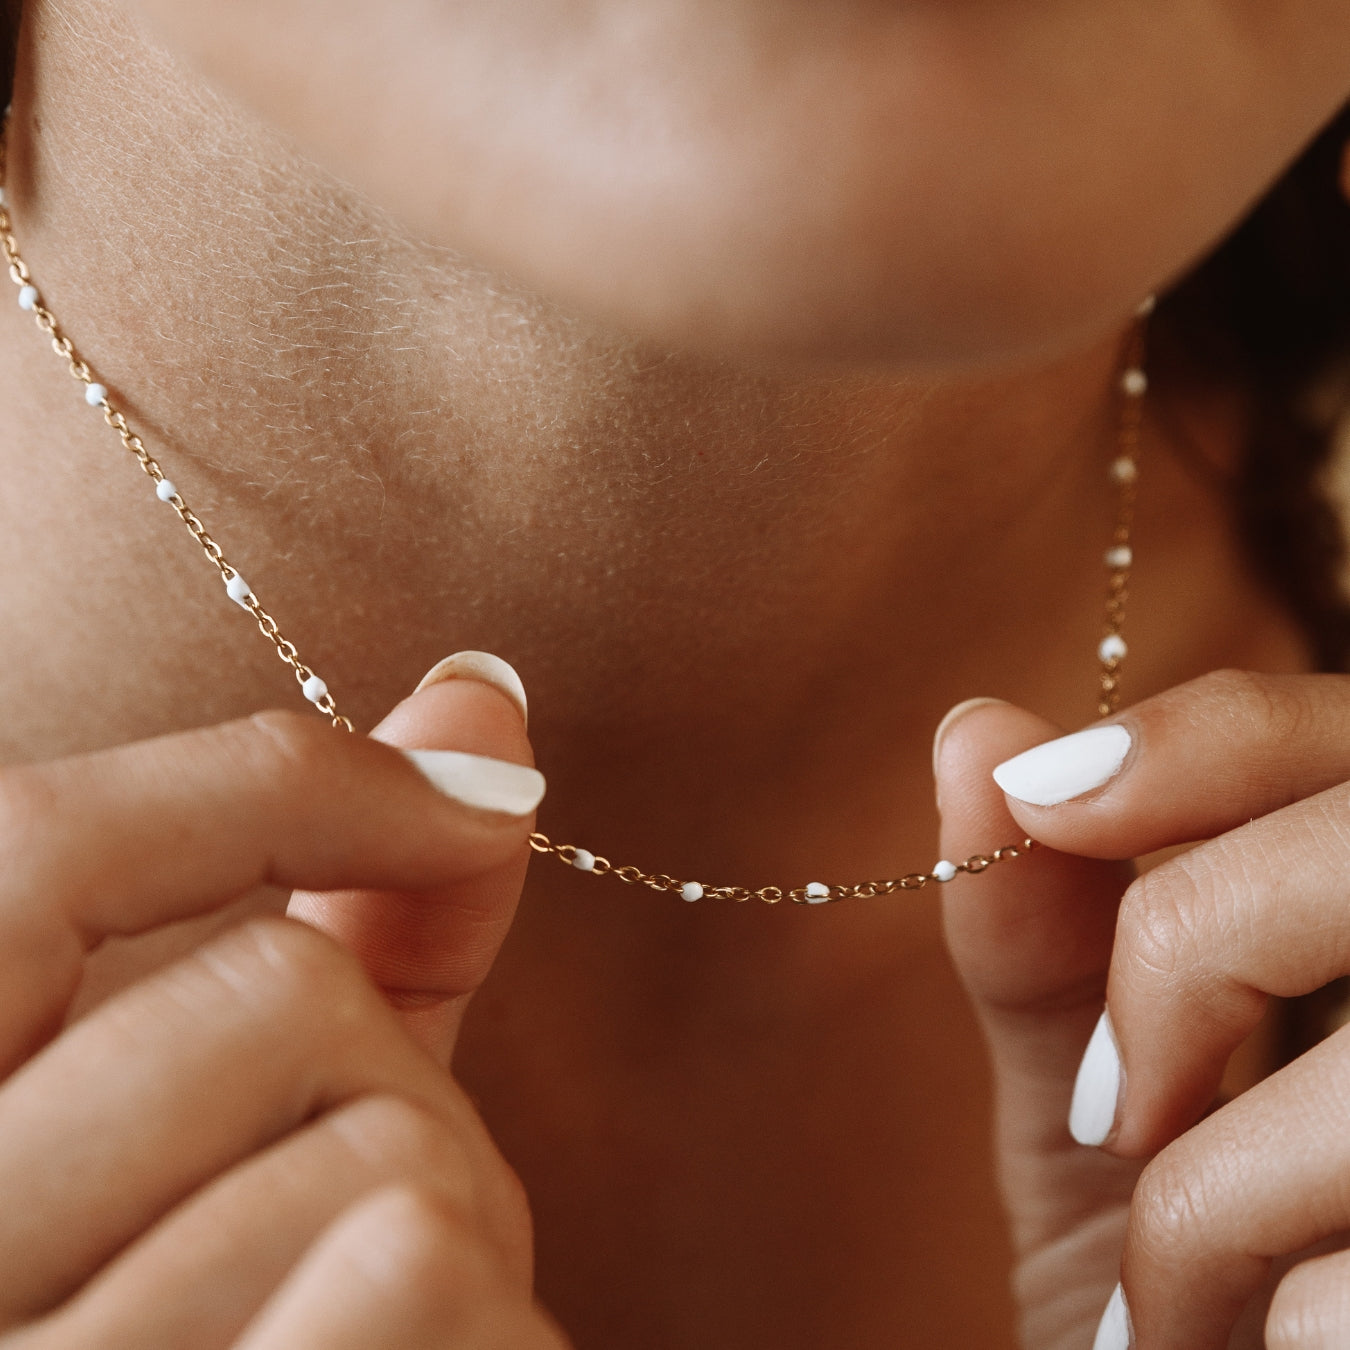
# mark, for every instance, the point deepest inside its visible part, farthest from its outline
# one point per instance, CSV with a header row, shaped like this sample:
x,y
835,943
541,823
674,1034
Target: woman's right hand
x,y
250,1148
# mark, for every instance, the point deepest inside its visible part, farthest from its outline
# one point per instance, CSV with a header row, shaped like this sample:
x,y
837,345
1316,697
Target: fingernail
x,y
1061,770
1114,1331
477,781
1096,1090
951,719
481,666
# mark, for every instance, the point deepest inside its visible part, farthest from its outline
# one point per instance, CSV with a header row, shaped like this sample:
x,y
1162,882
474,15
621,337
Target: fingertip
x,y
948,723
463,714
485,668
972,740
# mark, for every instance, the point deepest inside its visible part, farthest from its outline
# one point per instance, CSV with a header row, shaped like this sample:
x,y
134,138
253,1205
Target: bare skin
x,y
899,178
740,600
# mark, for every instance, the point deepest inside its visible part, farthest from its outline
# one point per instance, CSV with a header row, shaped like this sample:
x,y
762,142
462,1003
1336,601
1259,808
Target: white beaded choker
x,y
1111,652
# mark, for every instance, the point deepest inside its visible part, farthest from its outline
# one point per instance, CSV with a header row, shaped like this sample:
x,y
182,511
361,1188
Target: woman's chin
x,y
923,184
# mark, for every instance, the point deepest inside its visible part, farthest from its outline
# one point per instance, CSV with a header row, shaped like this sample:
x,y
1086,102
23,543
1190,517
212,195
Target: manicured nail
x,y
1061,770
482,666
1096,1090
1114,1331
477,781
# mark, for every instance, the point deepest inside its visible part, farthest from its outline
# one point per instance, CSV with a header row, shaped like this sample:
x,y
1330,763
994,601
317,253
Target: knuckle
x,y
302,978
509,1222
402,1142
1160,924
424,1248
53,1332
1290,1328
304,963
1183,926
1251,703
26,798
400,1138
283,747
513,1204
1167,1213
1303,1310
27,808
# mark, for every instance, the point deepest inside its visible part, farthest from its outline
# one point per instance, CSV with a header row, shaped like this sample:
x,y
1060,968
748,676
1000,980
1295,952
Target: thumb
x,y
430,952
1032,941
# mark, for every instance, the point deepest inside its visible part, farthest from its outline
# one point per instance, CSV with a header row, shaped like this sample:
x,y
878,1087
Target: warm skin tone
x,y
741,599
1200,943
864,178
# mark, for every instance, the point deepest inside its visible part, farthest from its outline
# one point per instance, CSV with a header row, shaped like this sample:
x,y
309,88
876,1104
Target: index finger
x,y
1185,765
123,840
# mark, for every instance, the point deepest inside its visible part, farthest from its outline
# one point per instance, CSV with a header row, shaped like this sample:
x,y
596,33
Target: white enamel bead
x,y
1120,556
238,590
584,861
945,871
165,490
1134,383
691,891
817,893
314,689
94,394
1113,648
1124,470
28,297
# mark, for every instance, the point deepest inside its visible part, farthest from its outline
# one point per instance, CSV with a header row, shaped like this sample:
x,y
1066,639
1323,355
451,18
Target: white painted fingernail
x,y
477,781
1060,770
1096,1090
1114,1331
482,666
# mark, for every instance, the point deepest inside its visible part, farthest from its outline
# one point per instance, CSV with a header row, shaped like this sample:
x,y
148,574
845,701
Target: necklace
x,y
1111,651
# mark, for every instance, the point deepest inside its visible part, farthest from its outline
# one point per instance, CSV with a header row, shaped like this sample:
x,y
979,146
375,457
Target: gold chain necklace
x,y
1111,652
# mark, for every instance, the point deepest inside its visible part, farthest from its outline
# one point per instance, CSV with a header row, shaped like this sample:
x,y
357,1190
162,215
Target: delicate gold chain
x,y
773,895
1111,653
1124,469
97,396
1110,656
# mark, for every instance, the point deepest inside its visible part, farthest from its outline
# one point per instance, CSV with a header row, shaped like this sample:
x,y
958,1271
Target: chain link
x,y
1131,425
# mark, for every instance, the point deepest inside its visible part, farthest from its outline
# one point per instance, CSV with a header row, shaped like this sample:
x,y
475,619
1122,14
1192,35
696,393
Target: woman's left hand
x,y
1185,964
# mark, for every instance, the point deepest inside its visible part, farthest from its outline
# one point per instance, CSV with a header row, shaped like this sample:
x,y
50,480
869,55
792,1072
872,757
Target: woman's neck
x,y
740,600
